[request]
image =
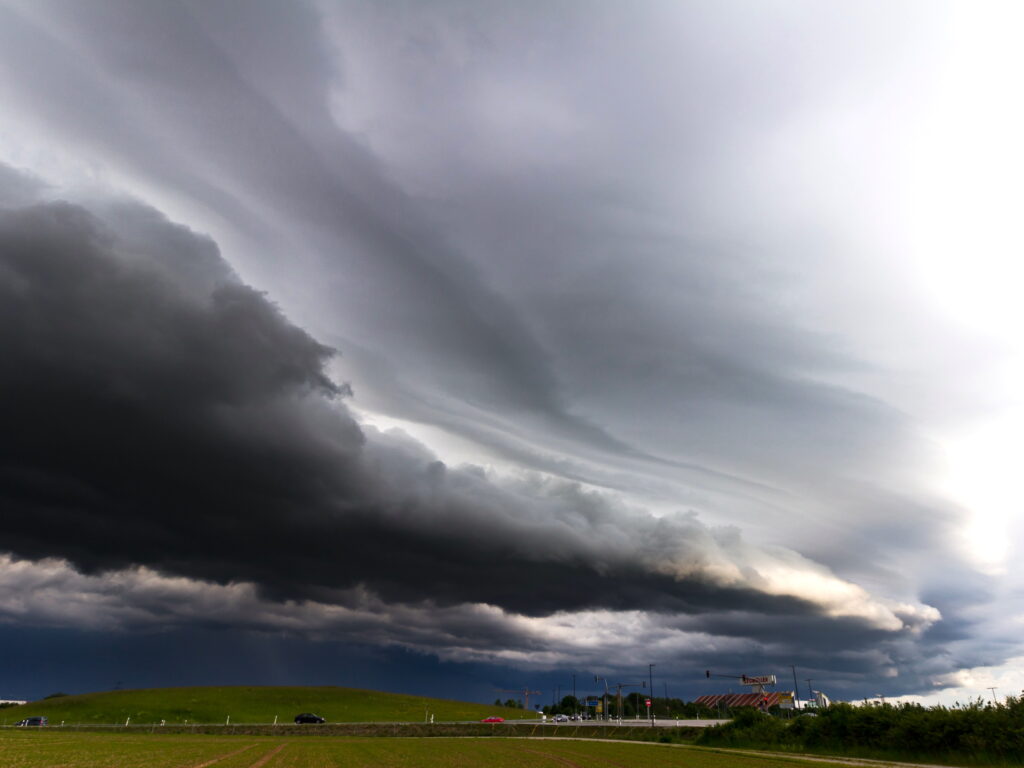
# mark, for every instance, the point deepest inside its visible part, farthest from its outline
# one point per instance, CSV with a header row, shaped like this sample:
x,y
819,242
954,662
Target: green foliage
x,y
974,732
55,695
569,705
672,709
678,709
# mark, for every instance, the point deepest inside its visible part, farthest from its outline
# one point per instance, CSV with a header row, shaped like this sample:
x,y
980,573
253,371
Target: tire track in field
x,y
223,757
556,758
599,758
860,762
268,757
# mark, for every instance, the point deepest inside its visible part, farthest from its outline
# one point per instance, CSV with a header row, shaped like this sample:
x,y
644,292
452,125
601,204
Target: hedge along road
x,y
126,750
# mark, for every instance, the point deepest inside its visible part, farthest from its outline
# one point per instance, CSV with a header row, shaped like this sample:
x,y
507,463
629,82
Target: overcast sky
x,y
487,343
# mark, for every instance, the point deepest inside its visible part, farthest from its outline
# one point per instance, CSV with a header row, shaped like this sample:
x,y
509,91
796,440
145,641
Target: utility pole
x,y
993,689
650,684
604,708
575,703
796,689
618,694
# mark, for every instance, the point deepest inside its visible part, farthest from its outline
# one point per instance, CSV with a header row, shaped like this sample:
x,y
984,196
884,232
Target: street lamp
x,y
796,690
650,681
575,707
604,708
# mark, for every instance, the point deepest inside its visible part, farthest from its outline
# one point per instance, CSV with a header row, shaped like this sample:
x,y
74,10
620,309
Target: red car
x,y
493,720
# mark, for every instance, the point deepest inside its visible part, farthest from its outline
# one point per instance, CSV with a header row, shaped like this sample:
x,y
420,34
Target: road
x,y
631,723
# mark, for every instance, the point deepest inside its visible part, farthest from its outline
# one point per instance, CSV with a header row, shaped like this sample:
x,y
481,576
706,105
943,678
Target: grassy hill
x,y
250,705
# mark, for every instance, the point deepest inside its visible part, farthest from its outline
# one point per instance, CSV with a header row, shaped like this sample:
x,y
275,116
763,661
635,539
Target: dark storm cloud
x,y
575,238
161,413
554,331
335,188
17,188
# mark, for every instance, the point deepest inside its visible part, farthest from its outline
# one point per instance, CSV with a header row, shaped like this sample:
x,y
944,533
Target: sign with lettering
x,y
762,680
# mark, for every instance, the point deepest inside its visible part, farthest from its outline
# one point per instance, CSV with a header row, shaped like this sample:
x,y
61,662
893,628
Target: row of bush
x,y
977,732
633,705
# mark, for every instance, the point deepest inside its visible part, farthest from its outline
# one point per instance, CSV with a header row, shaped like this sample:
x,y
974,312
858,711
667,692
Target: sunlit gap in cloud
x,y
964,234
985,684
450,449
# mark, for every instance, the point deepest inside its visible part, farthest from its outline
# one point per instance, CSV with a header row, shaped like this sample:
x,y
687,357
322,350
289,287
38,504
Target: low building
x,y
764,700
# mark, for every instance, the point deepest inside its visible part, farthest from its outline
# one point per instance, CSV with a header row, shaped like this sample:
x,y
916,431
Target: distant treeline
x,y
974,733
635,704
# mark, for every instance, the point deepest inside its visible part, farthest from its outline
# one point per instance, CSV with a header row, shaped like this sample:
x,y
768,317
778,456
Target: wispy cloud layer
x,y
502,320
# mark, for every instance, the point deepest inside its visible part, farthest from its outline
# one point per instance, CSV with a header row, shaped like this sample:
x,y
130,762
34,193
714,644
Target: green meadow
x,y
49,748
250,704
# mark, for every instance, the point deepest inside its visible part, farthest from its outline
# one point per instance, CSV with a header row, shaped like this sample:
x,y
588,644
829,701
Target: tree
x,y
569,705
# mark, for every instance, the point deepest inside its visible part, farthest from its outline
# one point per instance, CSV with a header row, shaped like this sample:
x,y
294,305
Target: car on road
x,y
561,718
32,722
493,720
308,717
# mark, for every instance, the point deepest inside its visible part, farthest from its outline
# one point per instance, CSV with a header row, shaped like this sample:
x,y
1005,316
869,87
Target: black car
x,y
33,721
308,717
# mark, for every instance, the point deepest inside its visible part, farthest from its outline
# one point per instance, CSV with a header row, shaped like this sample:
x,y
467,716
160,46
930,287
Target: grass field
x,y
250,705
53,747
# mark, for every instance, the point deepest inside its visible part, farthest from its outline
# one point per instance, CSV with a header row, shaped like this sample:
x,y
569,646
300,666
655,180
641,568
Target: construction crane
x,y
525,692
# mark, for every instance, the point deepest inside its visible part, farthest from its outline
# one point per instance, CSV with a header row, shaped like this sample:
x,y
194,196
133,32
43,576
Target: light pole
x,y
575,707
993,695
650,687
796,690
604,707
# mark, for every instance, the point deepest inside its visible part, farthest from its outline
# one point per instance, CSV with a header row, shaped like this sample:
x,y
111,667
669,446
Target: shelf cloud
x,y
509,335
